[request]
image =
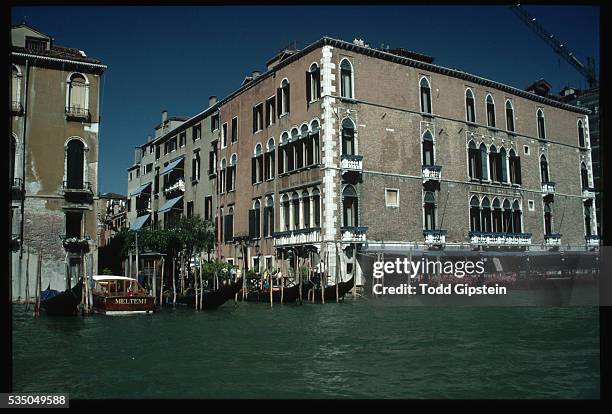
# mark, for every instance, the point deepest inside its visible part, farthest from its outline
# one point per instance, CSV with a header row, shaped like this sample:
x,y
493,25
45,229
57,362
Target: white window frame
x,y
387,203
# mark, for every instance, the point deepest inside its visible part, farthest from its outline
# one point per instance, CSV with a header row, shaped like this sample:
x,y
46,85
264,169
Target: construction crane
x,y
559,47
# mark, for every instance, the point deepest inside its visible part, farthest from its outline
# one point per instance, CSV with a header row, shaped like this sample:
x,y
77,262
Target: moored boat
x,y
289,294
330,291
62,303
119,295
211,299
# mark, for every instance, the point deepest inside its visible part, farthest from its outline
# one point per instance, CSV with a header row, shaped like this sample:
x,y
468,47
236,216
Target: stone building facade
x,y
55,119
112,216
340,147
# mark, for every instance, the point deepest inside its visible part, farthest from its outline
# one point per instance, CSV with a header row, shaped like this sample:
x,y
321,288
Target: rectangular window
x,y
197,132
182,139
149,168
190,209
74,224
270,111
391,197
224,135
234,129
214,123
212,160
208,208
258,118
35,44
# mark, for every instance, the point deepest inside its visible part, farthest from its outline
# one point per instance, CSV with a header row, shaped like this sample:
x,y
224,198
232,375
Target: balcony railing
x,y
588,192
16,108
351,162
77,113
75,244
177,186
552,240
592,240
499,239
142,211
309,235
83,187
435,237
353,233
432,172
548,187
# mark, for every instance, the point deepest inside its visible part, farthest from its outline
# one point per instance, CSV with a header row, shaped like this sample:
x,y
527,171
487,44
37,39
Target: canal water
x,y
355,349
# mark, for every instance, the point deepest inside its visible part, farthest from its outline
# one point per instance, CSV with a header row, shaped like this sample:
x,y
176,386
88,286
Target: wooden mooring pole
x,y
173,282
161,282
27,295
38,284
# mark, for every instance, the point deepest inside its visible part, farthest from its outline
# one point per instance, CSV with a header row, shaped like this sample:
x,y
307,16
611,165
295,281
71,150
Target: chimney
x,y
164,116
212,99
255,74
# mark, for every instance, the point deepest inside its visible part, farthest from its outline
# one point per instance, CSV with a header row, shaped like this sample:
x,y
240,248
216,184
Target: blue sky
x,y
167,57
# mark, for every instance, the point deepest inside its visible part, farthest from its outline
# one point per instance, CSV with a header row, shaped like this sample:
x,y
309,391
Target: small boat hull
x,y
65,303
289,295
212,299
330,291
123,305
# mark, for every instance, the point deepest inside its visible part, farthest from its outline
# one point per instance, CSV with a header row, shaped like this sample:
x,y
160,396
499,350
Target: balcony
x,y
592,240
77,192
552,240
310,235
175,189
75,113
75,244
353,234
143,211
432,172
548,188
588,192
351,162
435,237
16,108
17,190
499,239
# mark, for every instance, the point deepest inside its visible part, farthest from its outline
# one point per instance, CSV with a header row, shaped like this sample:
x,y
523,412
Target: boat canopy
x,y
99,278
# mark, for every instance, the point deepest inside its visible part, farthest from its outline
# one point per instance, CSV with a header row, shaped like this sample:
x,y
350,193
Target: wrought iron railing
x,y
77,112
82,186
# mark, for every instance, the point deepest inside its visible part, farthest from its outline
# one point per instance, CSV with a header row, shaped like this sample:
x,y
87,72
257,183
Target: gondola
x,y
330,291
289,294
211,299
62,303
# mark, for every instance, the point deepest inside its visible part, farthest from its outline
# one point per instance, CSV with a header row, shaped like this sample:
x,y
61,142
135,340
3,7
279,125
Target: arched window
x,y
515,167
541,124
350,211
348,137
316,206
314,133
587,217
429,210
282,153
77,94
222,176
544,170
425,95
75,164
284,97
285,216
269,217
490,111
257,165
495,165
229,225
483,162
486,215
15,88
548,229
306,209
584,176
428,149
517,222
497,216
474,168
269,160
295,201
507,217
255,220
346,79
581,141
470,108
474,214
509,116
231,174
313,83
504,167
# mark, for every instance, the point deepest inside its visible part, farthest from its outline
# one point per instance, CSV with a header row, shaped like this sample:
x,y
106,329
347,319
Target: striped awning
x,y
170,204
140,221
140,190
168,169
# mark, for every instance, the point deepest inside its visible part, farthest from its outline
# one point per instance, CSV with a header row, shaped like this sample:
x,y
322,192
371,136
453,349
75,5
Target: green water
x,y
352,349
